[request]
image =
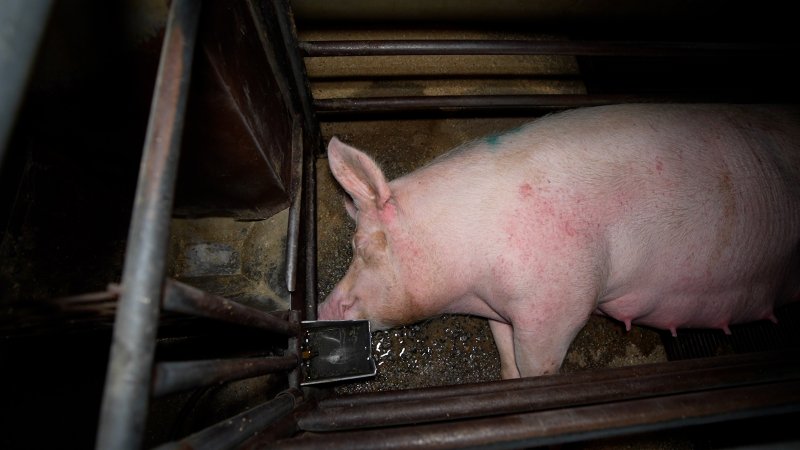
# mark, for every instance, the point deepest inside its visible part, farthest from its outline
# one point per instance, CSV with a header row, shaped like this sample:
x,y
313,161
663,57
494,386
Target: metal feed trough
x,y
239,65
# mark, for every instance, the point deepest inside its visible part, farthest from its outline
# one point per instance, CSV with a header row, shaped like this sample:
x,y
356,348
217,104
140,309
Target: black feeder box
x,y
336,350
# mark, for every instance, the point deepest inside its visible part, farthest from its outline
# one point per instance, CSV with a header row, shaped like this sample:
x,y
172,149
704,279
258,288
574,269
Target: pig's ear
x,y
359,176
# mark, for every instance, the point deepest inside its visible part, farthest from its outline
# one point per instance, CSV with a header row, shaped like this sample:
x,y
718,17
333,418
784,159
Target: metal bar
x,y
22,25
571,424
284,17
732,362
232,432
280,429
182,298
296,192
309,235
126,395
543,47
476,102
293,349
512,401
180,376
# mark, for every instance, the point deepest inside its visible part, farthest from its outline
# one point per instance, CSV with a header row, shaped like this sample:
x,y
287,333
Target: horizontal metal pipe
x,y
732,362
281,429
456,102
570,424
182,298
231,432
180,376
542,47
541,398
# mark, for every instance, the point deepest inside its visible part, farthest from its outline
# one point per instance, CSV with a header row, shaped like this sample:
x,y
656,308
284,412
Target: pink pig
x,y
662,215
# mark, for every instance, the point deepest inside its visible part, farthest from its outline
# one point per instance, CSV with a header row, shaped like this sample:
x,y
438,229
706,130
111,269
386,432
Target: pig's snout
x,y
326,311
333,308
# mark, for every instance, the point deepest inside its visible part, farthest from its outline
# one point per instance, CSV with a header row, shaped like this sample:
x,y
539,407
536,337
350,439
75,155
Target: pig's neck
x,y
438,259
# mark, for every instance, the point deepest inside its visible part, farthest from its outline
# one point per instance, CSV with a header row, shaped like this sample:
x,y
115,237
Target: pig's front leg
x,y
540,346
504,340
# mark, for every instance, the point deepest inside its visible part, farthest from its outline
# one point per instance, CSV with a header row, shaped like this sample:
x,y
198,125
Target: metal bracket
x,y
336,350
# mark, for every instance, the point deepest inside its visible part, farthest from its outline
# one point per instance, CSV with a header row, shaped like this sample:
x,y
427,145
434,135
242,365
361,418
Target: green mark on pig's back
x,y
494,141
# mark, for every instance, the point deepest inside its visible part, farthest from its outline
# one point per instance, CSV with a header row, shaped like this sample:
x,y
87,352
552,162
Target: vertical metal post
x,y
127,389
296,193
309,232
311,145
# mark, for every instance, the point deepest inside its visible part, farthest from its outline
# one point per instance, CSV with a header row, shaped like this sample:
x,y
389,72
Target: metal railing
x,y
133,377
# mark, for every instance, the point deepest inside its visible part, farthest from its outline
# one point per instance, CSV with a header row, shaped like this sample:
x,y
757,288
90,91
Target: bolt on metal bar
x,y
676,368
571,424
182,298
231,432
333,106
542,47
171,377
512,401
126,394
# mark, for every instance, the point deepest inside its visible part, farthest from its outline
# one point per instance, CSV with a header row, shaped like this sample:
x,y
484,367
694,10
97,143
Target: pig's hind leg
x,y
504,340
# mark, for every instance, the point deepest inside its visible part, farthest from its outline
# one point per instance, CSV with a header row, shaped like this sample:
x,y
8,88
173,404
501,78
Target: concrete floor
x,y
240,260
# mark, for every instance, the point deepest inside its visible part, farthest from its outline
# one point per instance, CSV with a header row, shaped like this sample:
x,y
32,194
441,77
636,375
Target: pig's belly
x,y
669,292
704,307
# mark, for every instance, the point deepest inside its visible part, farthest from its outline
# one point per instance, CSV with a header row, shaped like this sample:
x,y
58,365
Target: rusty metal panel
x,y
236,157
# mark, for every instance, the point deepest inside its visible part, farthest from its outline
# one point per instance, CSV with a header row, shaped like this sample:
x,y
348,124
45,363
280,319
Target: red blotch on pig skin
x,y
659,165
525,191
568,228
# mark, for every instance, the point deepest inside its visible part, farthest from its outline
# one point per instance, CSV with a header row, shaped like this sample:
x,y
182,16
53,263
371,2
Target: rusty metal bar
x,y
126,395
543,47
309,232
511,401
280,429
231,432
283,16
732,362
312,139
295,209
182,298
328,107
171,377
571,424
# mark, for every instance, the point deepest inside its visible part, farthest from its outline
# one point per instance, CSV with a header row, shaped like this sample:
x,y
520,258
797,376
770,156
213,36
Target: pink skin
x,y
663,215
